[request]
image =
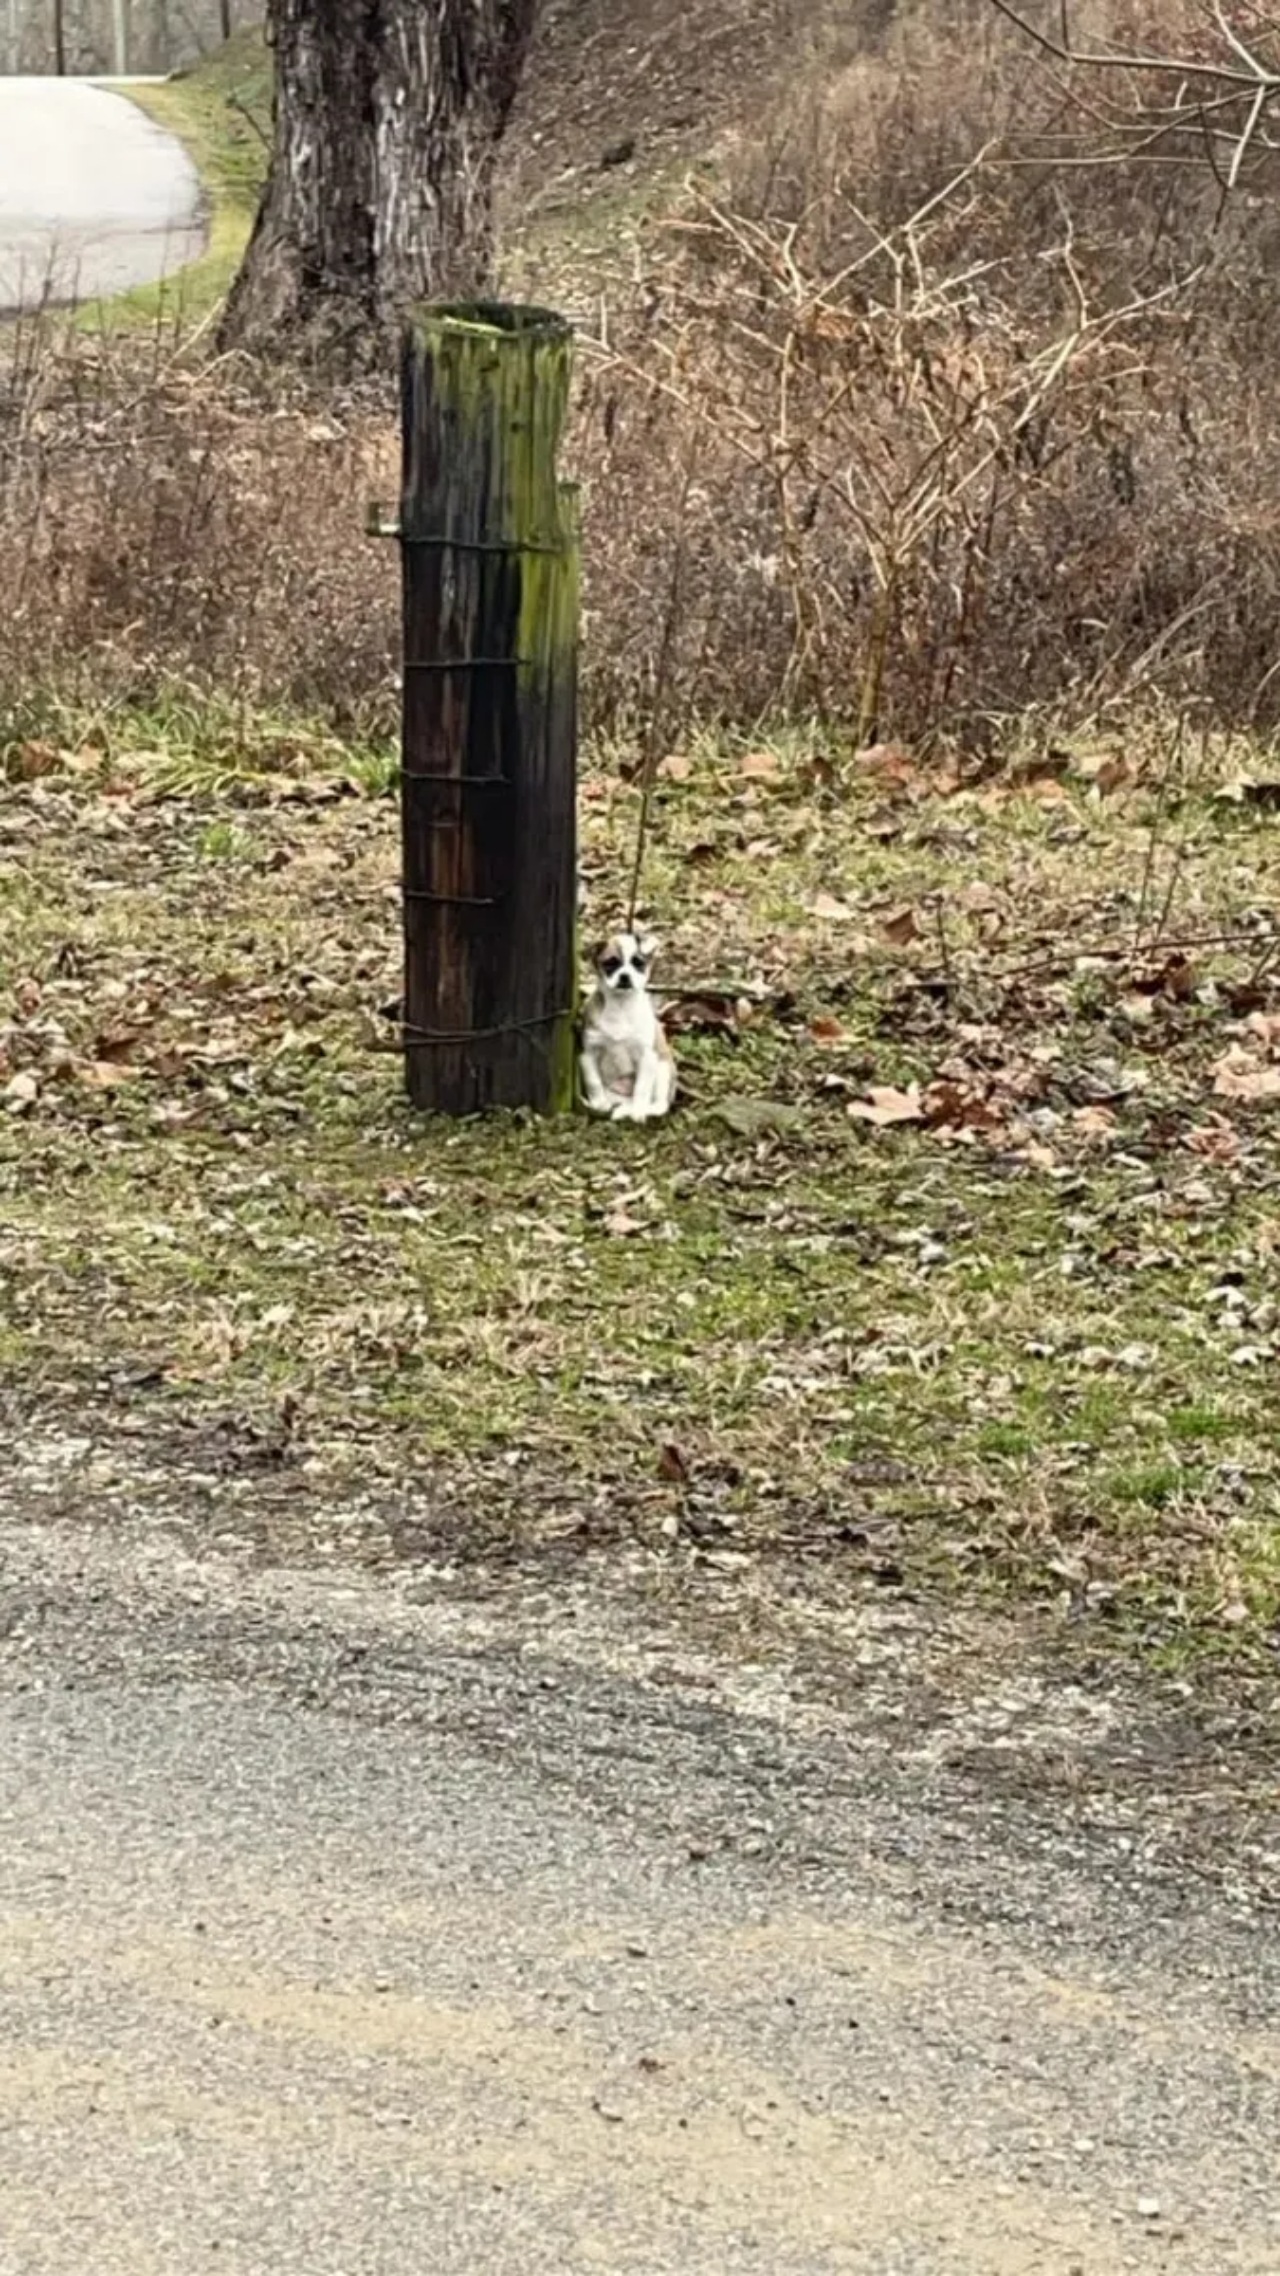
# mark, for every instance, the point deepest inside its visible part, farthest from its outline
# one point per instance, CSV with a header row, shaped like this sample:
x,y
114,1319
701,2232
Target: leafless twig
x,y
1224,98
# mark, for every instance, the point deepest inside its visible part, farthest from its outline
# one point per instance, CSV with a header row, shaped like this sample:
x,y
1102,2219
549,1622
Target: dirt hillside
x,y
611,86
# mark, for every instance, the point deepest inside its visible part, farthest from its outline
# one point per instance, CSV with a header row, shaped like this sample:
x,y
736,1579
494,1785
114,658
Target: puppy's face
x,y
624,963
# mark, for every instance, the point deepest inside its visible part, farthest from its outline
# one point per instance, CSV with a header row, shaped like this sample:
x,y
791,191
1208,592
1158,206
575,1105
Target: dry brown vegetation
x,y
1015,435
166,524
878,451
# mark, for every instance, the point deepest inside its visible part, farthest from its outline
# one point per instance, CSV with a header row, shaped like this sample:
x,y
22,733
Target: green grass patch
x,y
1022,1341
221,113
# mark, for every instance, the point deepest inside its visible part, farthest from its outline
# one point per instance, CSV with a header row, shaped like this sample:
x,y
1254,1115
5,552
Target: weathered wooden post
x,y
489,553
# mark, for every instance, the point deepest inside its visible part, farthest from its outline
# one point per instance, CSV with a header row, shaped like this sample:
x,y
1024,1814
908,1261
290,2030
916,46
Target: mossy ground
x,y
1027,1344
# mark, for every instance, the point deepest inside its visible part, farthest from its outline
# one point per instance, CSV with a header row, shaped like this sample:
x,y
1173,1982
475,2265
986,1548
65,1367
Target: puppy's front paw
x,y
625,1111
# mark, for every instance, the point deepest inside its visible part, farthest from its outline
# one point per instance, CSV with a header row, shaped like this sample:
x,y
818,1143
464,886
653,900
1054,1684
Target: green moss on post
x,y
490,547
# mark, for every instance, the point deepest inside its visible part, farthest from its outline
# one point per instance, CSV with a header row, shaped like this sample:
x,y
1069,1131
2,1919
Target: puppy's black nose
x,y
625,980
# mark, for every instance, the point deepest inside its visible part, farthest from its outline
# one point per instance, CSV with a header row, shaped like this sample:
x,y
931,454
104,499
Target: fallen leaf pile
x,y
1250,1067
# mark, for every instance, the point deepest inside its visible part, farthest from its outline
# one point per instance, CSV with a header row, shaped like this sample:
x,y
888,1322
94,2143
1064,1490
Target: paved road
x,y
348,1925
94,196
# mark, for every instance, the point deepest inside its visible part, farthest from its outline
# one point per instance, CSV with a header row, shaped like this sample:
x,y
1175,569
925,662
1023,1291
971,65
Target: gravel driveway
x,y
418,1921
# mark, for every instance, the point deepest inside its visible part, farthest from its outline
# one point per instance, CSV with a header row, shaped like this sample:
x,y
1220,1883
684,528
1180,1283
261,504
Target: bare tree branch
x,y
1221,103
1244,74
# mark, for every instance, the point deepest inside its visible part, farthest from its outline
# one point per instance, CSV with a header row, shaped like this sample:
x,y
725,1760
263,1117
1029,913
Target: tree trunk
x,y
388,115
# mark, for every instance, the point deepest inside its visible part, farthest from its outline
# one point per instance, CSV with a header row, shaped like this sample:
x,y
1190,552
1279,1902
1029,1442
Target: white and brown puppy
x,y
627,1067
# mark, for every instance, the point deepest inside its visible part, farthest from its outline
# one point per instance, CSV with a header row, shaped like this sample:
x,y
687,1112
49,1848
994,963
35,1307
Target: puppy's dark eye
x,y
611,964
640,963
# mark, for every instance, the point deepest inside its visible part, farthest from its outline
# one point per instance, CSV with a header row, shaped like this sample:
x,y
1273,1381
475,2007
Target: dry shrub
x,y
923,463
911,459
164,519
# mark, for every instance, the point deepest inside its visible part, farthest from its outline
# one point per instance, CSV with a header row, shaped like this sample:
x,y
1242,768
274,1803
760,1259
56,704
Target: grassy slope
x,y
1040,1354
221,112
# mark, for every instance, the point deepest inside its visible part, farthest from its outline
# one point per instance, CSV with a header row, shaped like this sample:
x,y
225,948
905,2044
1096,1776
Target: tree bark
x,y
388,116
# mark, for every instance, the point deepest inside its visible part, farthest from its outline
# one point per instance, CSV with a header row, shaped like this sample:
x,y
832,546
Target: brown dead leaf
x,y
820,772
705,1015
1240,1074
884,1105
759,766
1266,1026
955,1105
621,1223
1114,774
1216,1140
826,1029
1176,977
1047,765
174,1061
115,1043
830,910
672,1467
677,767
29,762
1094,1121
1041,1157
105,1074
891,763
900,926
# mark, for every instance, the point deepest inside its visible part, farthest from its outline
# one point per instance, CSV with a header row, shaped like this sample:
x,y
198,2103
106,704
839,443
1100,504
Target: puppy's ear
x,y
648,945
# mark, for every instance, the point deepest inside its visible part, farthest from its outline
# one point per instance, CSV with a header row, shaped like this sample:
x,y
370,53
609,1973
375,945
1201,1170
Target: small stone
x,y
1149,2208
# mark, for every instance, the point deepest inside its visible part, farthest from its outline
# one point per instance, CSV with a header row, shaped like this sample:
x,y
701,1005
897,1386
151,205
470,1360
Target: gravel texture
x,y
359,1921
